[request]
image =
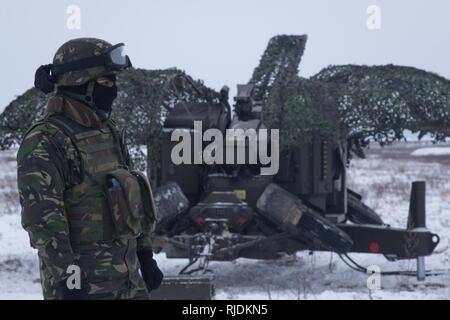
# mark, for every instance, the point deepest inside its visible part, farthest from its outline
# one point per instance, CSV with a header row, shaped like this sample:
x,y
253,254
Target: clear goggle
x,y
114,59
117,56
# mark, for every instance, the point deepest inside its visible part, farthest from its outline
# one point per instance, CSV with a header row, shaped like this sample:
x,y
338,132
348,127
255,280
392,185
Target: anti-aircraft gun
x,y
223,211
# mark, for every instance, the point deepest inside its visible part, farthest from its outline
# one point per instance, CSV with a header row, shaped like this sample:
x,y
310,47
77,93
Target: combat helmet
x,y
81,60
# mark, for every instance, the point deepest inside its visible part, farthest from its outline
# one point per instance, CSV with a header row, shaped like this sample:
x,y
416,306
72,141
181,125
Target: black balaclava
x,y
103,97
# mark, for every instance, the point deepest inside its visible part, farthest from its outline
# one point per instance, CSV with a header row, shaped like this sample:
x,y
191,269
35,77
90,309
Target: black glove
x,y
43,80
150,272
72,294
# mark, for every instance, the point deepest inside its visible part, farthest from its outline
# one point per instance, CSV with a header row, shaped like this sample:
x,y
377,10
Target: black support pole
x,y
417,219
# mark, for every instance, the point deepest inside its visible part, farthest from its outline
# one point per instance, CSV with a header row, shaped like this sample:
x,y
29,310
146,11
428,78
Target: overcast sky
x,y
222,41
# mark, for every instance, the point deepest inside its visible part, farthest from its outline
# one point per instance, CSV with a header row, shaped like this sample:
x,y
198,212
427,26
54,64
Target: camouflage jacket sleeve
x,y
144,240
41,186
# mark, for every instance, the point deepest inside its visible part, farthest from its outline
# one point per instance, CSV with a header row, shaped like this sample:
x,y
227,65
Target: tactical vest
x,y
110,202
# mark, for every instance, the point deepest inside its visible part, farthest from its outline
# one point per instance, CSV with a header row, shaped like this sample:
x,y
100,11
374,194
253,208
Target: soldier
x,y
82,205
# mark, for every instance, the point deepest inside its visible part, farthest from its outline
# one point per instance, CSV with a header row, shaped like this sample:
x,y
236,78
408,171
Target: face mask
x,y
104,97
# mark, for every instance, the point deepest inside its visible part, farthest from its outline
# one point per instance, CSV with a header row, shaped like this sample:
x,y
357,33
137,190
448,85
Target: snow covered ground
x,y
384,181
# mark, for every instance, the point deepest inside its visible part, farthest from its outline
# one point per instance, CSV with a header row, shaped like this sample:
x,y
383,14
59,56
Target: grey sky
x,y
222,41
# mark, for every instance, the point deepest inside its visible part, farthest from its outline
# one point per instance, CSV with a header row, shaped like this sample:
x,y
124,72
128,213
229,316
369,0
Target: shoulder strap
x,y
123,154
62,123
40,122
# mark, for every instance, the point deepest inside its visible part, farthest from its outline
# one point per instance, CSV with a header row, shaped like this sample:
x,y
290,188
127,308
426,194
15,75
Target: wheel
x,y
359,213
317,228
302,221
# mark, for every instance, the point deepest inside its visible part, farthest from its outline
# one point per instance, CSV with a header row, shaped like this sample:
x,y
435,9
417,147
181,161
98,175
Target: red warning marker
x,y
199,220
242,220
374,247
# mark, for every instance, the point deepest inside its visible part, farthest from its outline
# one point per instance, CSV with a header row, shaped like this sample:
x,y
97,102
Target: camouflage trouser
x,y
112,271
125,294
124,291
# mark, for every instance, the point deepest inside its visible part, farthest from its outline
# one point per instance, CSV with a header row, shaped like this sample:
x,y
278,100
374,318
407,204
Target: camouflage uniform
x,y
63,162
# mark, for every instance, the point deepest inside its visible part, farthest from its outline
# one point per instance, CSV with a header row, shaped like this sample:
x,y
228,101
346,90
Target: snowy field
x,y
384,181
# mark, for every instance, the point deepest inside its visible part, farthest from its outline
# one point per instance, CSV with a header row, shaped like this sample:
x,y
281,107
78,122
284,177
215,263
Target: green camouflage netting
x,y
381,102
19,115
357,103
142,105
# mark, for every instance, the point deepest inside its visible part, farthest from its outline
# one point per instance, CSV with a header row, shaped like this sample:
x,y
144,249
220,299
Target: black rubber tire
x,y
323,233
302,221
359,213
170,203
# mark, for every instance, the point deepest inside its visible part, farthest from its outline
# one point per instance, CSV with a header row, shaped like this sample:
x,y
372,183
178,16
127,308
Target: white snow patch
x,y
422,152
